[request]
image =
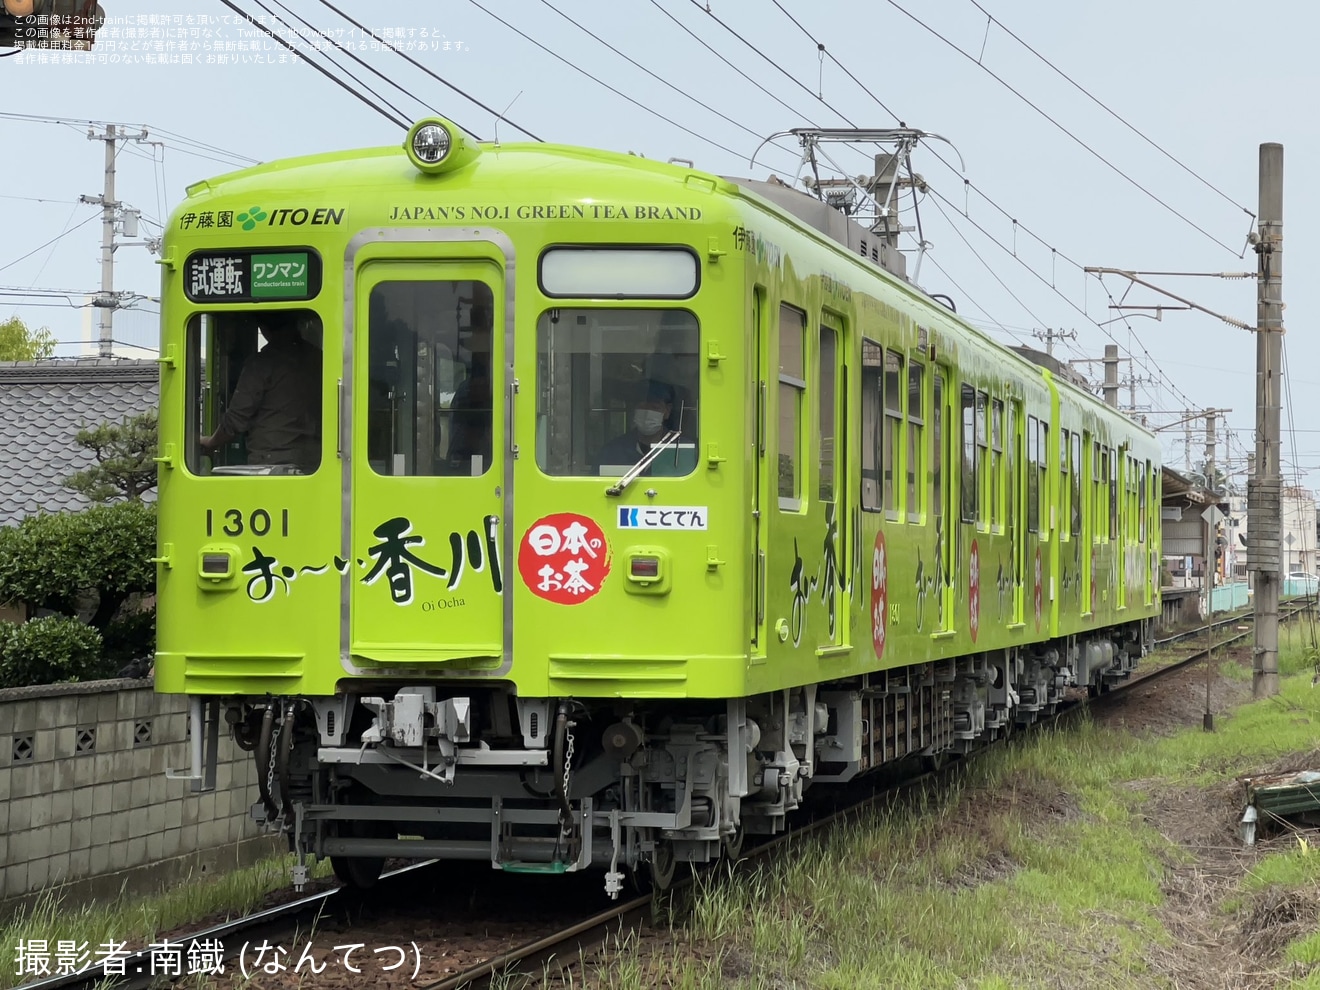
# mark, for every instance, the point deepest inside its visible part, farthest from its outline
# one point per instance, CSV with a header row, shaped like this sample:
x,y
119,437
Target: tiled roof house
x,y
43,404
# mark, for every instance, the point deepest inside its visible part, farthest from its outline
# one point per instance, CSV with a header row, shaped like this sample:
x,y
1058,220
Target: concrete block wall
x,y
84,799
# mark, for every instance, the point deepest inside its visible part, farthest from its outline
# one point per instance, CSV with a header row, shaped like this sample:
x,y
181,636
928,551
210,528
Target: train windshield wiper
x,y
633,472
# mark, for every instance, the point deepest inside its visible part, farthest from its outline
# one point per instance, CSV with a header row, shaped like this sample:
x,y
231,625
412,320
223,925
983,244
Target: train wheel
x,y
663,864
358,872
732,845
361,872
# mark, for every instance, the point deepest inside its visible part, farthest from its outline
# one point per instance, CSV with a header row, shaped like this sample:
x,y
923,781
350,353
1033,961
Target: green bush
x,y
49,650
54,561
129,638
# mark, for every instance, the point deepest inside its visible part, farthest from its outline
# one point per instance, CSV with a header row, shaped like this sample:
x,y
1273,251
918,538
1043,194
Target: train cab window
x,y
915,449
254,392
1033,475
429,378
611,383
872,417
969,489
792,390
828,397
894,392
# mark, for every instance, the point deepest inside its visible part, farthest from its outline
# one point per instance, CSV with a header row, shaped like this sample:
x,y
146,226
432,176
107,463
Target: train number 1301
x,y
258,522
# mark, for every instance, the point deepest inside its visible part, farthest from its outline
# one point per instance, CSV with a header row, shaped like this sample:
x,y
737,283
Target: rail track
x,y
587,935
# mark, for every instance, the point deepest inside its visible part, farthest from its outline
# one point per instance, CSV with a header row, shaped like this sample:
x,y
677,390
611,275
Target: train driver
x,y
653,417
277,402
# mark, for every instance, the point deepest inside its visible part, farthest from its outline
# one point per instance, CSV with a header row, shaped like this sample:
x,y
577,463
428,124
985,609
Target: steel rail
x,y
1229,620
587,936
139,966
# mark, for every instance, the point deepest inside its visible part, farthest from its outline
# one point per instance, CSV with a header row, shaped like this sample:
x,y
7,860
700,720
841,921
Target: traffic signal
x,y
70,25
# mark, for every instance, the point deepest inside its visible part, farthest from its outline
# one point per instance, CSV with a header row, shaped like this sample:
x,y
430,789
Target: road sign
x,y
1212,515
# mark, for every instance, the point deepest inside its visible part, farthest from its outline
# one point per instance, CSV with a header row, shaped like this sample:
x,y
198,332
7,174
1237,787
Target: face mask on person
x,y
648,421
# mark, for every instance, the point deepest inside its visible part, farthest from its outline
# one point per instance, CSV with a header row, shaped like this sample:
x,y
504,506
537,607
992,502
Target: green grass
x,y
1038,869
139,920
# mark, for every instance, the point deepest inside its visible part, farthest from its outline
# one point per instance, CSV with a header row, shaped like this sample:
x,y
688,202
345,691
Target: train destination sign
x,y
252,276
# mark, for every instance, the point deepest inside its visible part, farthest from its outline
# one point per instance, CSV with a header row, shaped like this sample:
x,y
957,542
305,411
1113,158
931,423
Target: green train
x,y
574,511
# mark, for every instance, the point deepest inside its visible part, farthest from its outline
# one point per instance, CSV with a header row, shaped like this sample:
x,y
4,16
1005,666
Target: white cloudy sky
x,y
1203,81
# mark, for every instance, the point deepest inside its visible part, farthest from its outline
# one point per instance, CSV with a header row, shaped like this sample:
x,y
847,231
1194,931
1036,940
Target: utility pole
x,y
107,301
1263,487
1210,449
1111,375
1050,335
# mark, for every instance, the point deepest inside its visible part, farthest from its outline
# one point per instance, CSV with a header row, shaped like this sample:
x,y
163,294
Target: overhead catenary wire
x,y
340,66
967,185
64,233
321,69
1082,89
1003,82
600,82
444,82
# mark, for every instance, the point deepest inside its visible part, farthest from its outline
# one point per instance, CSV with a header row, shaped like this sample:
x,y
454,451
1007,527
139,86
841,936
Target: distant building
x,y
43,405
1297,534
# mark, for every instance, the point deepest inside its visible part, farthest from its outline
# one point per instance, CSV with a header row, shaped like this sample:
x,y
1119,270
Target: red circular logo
x,y
564,558
879,595
1040,596
974,592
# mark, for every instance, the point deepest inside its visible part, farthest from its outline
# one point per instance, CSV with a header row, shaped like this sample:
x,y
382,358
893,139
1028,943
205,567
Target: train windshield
x,y
610,383
254,393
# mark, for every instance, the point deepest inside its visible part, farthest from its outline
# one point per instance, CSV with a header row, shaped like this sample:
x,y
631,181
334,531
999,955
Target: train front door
x,y
425,473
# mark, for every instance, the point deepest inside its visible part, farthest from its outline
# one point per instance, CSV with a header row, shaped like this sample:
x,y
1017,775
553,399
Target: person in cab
x,y
653,418
277,402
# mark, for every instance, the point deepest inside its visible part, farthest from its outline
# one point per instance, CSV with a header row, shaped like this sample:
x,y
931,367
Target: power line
x,y
64,233
967,184
999,79
329,75
444,82
1081,89
657,77
351,55
601,82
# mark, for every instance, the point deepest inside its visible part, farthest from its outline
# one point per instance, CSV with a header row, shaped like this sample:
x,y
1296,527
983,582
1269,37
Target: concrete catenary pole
x,y
1111,375
1263,492
106,303
1210,449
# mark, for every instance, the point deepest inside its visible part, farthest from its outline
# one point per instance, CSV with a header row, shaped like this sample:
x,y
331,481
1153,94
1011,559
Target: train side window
x,y
1113,495
1065,484
1033,478
872,415
1014,464
968,454
938,456
1076,485
1042,483
1141,501
792,390
611,382
254,392
997,464
915,449
983,496
893,428
1098,470
827,399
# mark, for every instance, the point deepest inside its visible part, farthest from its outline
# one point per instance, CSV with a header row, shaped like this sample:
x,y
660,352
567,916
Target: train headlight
x,y
438,145
431,143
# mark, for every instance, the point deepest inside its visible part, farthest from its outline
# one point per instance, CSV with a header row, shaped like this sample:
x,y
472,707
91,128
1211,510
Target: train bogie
x,y
580,511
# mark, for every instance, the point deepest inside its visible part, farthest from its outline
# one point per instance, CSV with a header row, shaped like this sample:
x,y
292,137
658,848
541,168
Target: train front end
x,y
453,504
